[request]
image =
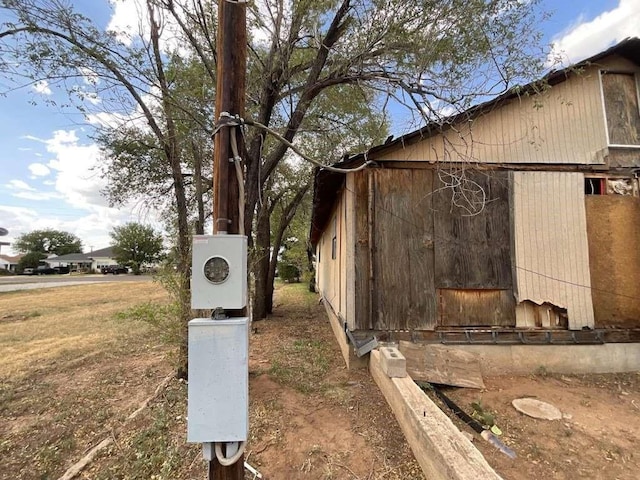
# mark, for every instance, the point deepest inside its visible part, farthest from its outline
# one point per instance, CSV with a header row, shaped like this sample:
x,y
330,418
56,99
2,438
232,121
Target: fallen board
x,y
442,365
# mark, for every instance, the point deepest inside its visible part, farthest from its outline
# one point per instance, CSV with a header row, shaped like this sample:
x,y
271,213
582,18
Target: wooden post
x,y
230,95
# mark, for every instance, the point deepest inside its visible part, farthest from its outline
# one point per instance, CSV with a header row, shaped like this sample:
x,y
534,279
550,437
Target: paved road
x,y
26,282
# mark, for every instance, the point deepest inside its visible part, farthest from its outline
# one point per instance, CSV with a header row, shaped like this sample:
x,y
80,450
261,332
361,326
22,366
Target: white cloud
x,y
130,20
585,39
89,76
74,204
19,185
38,196
39,170
42,87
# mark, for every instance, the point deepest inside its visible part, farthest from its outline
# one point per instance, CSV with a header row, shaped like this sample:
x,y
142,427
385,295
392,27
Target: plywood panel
x,y
404,288
477,308
613,225
621,106
473,249
363,318
550,241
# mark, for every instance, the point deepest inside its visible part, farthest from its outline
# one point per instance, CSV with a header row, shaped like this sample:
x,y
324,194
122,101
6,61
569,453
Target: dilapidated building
x,y
517,221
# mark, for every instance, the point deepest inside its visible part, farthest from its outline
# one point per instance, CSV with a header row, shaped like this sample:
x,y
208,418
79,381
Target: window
x,y
620,91
610,186
334,240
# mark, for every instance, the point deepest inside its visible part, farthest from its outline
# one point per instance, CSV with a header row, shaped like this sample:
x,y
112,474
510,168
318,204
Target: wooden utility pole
x,y
230,94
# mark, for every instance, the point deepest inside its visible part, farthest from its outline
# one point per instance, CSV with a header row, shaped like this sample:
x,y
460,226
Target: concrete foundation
x,y
526,359
347,350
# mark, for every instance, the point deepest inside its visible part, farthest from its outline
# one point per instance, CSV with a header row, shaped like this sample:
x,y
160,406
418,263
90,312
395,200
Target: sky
x,y
48,176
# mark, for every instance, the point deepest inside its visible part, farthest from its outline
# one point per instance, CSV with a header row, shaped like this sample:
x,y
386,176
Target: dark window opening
x,y
334,240
594,186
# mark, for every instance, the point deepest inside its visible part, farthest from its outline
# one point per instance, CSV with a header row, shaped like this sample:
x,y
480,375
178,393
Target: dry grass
x,y
39,326
72,371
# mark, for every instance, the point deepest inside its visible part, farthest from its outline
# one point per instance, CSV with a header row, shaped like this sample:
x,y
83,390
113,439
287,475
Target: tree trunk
x,y
261,251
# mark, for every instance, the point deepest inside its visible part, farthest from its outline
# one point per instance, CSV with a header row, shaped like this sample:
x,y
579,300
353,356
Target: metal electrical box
x,y
219,272
218,389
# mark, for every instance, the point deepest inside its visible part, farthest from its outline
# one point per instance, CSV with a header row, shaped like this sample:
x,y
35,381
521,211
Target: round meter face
x,y
216,270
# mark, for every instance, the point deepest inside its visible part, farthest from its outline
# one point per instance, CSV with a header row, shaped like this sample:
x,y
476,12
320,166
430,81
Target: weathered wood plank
x,y
422,314
465,308
361,251
439,364
439,447
404,282
621,107
473,251
393,227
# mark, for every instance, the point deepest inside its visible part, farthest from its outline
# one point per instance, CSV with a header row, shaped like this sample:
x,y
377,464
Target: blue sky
x,y
47,160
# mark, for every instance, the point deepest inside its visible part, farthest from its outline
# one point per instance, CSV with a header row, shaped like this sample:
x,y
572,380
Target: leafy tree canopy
x,y
48,242
136,245
30,260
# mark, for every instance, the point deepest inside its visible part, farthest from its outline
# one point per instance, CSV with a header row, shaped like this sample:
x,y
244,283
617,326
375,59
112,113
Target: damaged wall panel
x,y
613,226
551,253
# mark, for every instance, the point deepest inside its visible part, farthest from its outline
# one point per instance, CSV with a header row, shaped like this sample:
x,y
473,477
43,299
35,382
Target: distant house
x,y
516,222
91,261
9,263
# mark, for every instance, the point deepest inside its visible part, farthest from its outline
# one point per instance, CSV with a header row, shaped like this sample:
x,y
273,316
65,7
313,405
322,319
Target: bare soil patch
x,y
597,437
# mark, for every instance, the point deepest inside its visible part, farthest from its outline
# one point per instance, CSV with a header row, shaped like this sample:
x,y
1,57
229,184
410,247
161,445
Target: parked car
x,y
62,270
27,271
44,270
114,269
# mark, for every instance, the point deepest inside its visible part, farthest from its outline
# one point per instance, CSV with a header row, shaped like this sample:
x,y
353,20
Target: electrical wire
x,y
237,160
224,461
230,120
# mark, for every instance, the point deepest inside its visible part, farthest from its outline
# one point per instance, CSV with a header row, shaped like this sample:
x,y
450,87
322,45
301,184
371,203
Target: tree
x,y
136,245
313,66
48,242
30,260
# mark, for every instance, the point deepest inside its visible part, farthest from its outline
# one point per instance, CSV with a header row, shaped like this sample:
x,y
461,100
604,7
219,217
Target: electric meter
x,y
219,272
216,270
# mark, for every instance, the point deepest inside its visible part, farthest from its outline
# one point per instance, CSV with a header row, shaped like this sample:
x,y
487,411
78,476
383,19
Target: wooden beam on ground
x,y
439,364
440,448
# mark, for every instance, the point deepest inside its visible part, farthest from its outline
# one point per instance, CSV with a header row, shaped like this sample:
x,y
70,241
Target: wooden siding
x,y
550,235
613,224
404,257
363,315
473,248
328,269
563,125
477,308
350,251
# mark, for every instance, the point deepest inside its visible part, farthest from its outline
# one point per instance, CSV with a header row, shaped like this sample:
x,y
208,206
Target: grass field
x,y
76,364
71,371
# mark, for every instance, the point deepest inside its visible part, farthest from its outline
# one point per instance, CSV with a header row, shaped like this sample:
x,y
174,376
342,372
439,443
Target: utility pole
x,y
230,97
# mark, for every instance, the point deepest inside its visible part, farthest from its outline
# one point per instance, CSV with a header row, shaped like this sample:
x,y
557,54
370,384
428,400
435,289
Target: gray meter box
x,y
219,272
218,388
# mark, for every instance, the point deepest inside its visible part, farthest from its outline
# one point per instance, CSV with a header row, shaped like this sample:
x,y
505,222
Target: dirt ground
x,y
597,438
310,418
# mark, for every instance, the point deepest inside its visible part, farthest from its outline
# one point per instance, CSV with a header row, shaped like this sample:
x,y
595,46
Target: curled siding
x,y
551,249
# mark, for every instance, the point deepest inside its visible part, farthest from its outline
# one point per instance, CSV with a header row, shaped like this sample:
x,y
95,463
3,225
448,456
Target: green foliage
x,y
288,272
30,260
136,245
48,241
